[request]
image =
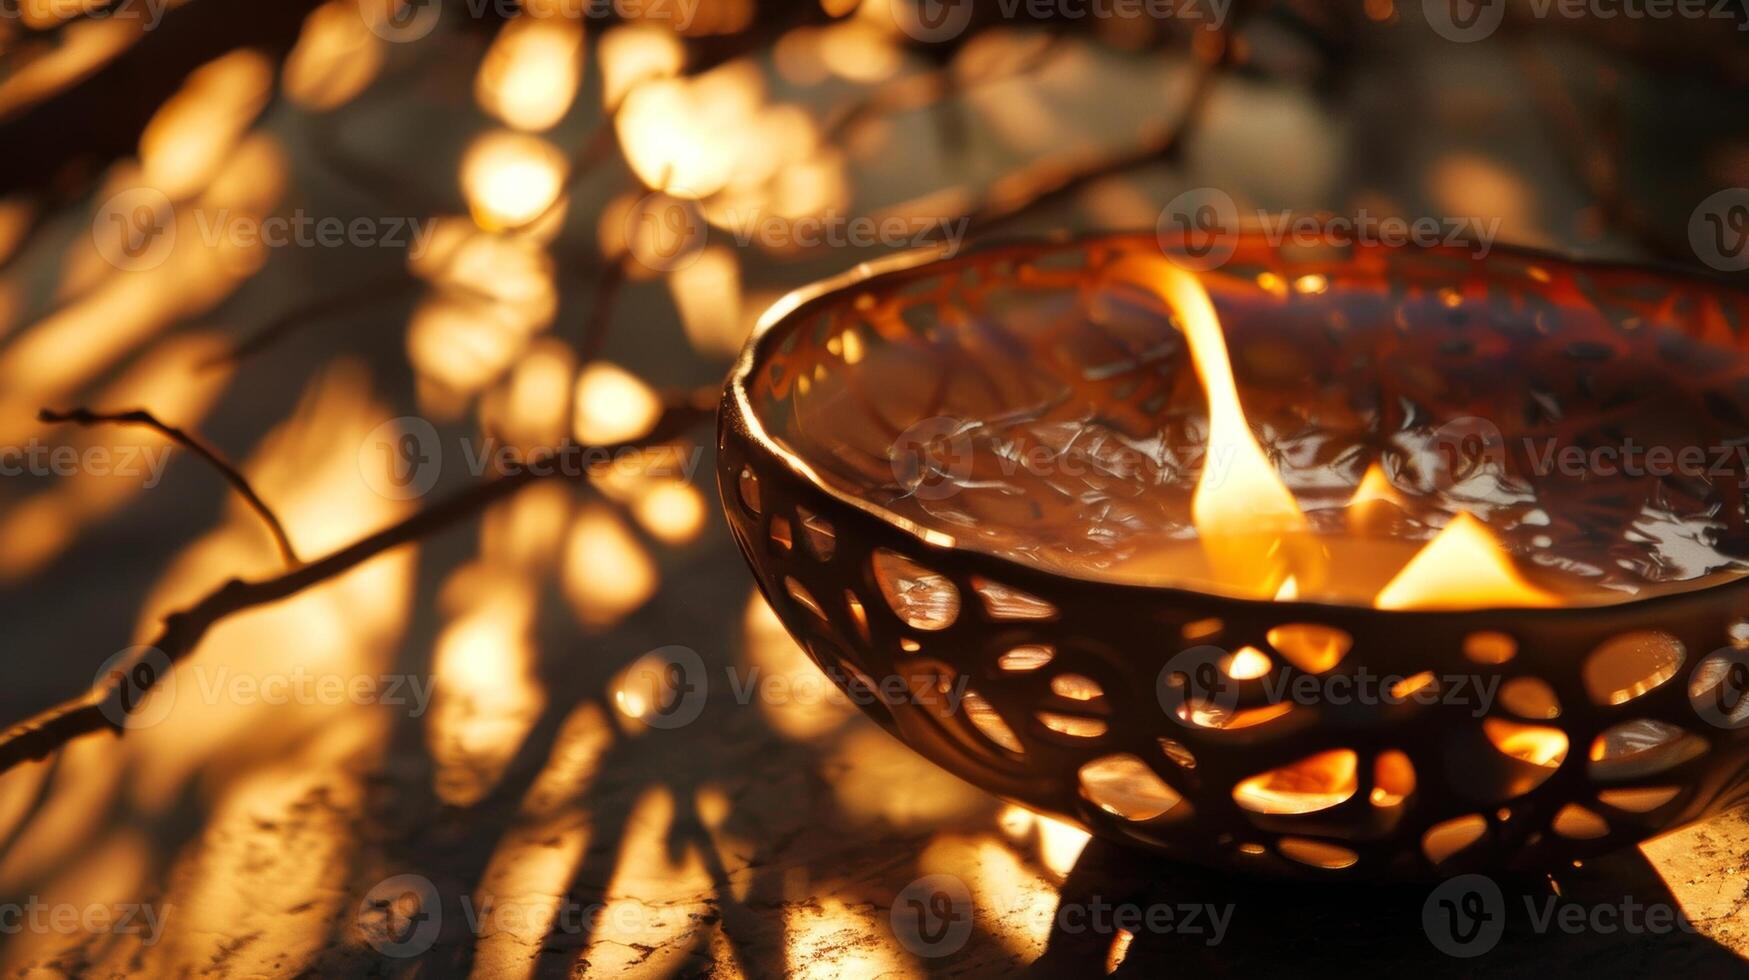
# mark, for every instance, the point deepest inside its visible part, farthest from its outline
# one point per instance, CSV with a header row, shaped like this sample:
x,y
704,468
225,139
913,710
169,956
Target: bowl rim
x,y
793,307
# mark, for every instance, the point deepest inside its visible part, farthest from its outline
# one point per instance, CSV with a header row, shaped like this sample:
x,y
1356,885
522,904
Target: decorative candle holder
x,y
895,455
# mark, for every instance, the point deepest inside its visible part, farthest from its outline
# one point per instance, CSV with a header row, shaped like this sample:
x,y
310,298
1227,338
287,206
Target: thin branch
x,y
914,92
283,325
192,443
106,705
599,144
99,115
1590,161
596,328
1053,179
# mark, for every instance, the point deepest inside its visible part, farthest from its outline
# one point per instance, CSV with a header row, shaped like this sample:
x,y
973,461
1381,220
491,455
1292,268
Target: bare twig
x,y
1590,161
107,704
99,115
1052,179
192,443
283,325
596,328
600,143
921,91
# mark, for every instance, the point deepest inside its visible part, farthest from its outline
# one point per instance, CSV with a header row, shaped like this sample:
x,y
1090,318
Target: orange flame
x,y
1252,530
1244,514
1463,568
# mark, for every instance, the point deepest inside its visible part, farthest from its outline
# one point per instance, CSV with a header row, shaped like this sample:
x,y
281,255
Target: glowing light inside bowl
x,y
1251,528
1463,568
1245,515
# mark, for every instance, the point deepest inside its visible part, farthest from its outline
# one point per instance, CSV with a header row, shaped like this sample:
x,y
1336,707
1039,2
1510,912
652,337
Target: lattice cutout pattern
x,y
1075,697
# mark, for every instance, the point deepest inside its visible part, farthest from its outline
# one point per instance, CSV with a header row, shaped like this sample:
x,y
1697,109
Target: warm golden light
x,y
635,53
531,73
486,696
192,133
1463,568
1314,783
1247,663
511,179
607,573
1538,745
335,58
613,405
1245,515
708,295
673,513
1375,487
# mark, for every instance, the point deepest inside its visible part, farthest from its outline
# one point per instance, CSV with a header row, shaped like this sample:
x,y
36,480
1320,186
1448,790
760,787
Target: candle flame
x,y
1375,487
1245,515
1289,591
1463,568
1252,531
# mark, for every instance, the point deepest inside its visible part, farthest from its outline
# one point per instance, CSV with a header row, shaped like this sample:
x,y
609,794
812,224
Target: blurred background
x,y
308,231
